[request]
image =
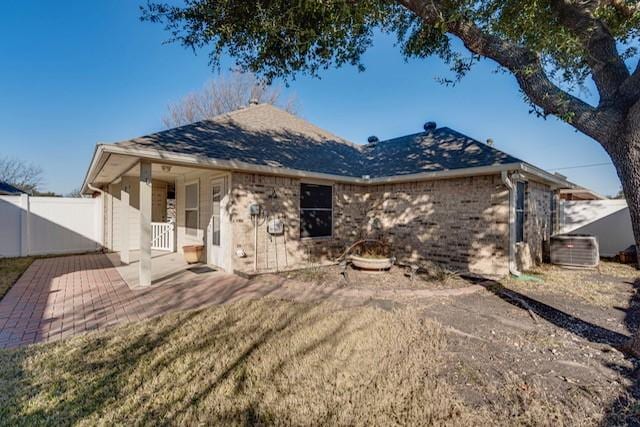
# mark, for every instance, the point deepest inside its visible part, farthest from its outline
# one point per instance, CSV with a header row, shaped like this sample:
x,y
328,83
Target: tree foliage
x,y
227,93
279,38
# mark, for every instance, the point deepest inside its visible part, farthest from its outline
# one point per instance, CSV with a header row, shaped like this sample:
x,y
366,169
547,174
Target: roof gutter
x,y
556,180
450,173
233,165
97,154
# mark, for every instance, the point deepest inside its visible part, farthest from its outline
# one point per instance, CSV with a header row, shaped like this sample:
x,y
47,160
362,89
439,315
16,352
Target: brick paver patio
x,y
59,297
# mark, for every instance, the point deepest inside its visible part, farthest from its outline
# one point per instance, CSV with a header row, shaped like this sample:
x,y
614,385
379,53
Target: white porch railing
x,y
162,236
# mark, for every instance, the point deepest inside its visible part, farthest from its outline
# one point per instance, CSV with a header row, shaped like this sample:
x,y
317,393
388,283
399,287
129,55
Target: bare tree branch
x,y
25,176
223,95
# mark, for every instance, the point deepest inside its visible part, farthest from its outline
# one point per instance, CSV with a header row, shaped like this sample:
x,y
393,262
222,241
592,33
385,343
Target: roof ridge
x,y
196,123
299,119
449,130
231,113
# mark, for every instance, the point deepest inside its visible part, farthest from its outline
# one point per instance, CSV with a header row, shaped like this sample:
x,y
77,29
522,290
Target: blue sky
x,y
81,72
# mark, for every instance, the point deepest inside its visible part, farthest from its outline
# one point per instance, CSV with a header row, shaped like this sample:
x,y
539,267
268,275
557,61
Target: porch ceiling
x,y
113,167
162,172
117,165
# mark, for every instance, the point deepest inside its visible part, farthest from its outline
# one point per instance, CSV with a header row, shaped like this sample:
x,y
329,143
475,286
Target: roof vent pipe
x,y
372,139
429,126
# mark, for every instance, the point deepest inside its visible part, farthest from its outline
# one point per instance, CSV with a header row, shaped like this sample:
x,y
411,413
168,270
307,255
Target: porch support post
x,y
125,191
145,223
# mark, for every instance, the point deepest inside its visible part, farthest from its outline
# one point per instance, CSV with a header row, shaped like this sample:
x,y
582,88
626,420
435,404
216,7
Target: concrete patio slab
x,y
164,267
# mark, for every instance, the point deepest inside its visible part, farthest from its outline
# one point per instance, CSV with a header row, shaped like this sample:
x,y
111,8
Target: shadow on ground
x,y
624,409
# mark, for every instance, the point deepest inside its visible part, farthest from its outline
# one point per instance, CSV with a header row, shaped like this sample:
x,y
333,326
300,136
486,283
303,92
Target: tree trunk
x,y
625,154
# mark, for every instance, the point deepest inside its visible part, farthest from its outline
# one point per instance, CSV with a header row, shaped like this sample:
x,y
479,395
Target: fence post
x,y
25,212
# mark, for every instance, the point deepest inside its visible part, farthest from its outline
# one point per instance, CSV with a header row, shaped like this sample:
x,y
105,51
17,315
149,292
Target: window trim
x,y
301,209
197,208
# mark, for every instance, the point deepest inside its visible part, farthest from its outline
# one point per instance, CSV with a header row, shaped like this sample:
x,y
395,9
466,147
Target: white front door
x,y
216,245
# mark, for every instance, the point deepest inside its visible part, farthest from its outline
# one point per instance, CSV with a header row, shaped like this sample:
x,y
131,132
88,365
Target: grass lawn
x,y
270,362
10,270
601,287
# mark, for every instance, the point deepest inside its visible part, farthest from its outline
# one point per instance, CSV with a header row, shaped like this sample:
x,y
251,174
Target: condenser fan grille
x,y
575,251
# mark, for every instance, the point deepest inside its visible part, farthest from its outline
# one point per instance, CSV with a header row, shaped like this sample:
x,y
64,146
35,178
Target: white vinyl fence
x,y
608,220
49,225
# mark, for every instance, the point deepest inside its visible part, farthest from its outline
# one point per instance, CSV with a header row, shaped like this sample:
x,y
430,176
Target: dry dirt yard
x,y
554,342
397,278
512,353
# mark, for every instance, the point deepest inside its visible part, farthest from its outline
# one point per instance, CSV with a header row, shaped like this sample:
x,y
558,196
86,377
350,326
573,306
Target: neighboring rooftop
x,y
8,189
580,193
268,136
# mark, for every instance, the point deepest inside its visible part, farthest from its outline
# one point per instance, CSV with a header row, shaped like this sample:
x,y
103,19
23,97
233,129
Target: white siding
x,y
114,211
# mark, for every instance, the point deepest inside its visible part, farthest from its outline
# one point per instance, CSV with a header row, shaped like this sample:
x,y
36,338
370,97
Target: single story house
x,y
7,189
264,190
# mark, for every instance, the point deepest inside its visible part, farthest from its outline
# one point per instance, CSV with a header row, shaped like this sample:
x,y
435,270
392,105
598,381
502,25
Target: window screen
x,y
191,209
191,199
316,210
520,195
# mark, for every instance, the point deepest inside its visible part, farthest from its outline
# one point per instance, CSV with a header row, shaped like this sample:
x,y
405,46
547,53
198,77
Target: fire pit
x,y
368,263
370,255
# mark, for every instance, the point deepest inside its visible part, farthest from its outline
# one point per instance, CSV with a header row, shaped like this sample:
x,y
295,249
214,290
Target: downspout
x,y
92,188
513,269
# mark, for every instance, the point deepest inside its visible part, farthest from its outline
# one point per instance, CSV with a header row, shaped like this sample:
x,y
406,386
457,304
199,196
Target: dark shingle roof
x,y
267,136
261,135
6,188
438,150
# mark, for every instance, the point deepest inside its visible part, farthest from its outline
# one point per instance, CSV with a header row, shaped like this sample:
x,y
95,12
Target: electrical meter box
x,y
254,209
275,226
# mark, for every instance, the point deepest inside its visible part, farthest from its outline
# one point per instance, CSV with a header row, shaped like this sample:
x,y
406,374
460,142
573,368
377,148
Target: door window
x,y
216,197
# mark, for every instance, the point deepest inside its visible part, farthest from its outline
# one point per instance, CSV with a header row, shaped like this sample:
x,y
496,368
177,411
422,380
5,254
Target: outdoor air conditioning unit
x,y
575,250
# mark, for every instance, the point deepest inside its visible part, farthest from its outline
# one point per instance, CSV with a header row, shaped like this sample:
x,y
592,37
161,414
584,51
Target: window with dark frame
x,y
553,211
191,209
316,210
520,196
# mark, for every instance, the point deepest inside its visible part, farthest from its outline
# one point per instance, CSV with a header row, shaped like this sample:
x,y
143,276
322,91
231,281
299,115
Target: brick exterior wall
x,y
461,223
288,250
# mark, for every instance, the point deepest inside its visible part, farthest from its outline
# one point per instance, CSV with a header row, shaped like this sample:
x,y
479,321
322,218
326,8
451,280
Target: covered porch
x,y
154,209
